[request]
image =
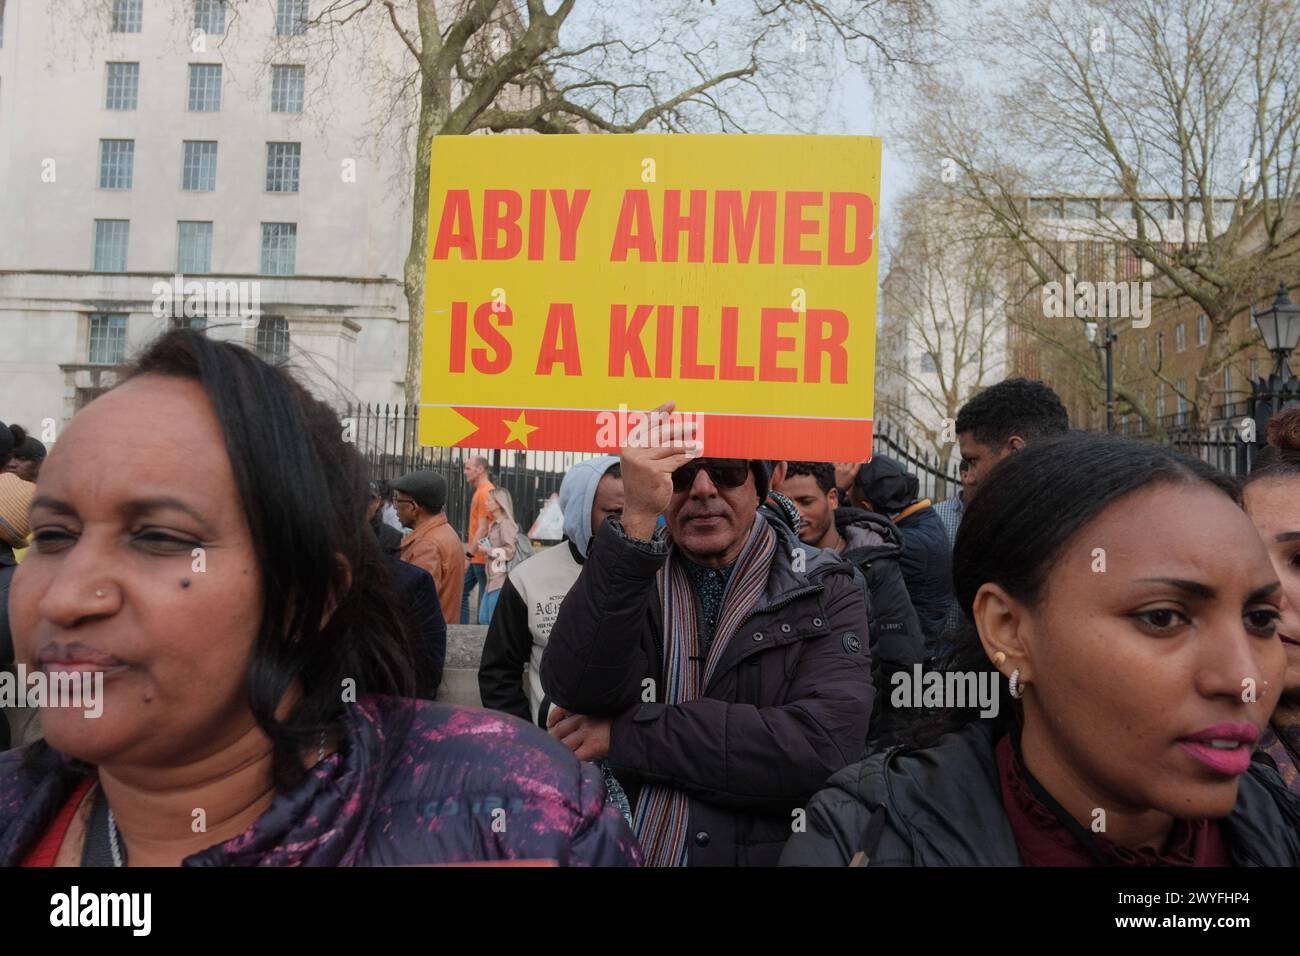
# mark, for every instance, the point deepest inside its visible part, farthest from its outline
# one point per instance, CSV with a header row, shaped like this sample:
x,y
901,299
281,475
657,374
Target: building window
x,y
1202,330
290,17
1180,337
123,86
205,87
1045,208
282,161
1080,209
193,248
927,363
1160,400
1129,264
279,248
128,16
198,323
116,163
1182,398
107,339
1117,208
1254,369
210,16
111,236
199,166
273,338
1227,381
286,88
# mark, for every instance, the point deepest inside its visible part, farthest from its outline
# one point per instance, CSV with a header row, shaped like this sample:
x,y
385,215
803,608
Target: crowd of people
x,y
1087,656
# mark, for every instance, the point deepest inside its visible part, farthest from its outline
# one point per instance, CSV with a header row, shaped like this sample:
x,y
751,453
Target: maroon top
x,y
1047,836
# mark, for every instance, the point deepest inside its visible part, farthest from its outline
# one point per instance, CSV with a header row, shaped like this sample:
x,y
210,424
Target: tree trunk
x,y
413,271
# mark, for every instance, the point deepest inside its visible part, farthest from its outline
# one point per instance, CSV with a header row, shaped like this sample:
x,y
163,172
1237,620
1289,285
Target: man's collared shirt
x,y
709,584
950,512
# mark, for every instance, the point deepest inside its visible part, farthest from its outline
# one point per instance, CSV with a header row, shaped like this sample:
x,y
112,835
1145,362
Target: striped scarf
x,y
662,813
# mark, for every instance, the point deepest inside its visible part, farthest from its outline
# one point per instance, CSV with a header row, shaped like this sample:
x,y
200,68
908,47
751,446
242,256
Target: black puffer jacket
x,y
927,569
874,546
942,806
788,705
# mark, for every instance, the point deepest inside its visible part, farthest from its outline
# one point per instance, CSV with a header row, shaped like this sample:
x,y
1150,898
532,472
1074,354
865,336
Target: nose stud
x,y
100,592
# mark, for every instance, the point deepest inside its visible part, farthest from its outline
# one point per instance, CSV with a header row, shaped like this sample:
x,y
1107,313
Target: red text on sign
x,y
500,235
824,332
839,235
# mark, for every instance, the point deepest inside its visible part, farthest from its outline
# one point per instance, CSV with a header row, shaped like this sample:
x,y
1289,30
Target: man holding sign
x,y
718,665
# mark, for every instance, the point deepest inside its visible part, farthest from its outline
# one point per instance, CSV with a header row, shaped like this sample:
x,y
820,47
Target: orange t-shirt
x,y
477,513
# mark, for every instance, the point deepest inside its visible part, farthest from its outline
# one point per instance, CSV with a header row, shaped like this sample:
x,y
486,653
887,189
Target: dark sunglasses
x,y
723,472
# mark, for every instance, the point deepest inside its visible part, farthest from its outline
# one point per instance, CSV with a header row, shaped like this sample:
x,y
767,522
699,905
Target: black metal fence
x,y
387,436
1220,446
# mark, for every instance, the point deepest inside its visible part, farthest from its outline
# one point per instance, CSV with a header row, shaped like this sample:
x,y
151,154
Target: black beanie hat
x,y
885,484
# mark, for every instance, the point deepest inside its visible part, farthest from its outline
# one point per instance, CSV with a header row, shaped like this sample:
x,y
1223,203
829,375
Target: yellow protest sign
x,y
574,278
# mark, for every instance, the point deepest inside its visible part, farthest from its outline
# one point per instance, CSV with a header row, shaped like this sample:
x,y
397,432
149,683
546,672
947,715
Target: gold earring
x,y
999,659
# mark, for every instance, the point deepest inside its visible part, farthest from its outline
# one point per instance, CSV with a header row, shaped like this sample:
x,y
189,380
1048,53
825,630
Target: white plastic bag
x,y
549,525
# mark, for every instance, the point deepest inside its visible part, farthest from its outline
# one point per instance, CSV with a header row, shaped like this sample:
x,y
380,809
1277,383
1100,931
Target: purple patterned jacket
x,y
431,795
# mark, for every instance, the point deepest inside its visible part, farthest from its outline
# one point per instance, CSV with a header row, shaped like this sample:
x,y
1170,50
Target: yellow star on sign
x,y
519,430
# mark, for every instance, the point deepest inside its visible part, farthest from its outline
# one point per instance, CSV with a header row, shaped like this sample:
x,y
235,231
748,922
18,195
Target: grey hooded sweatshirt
x,y
508,676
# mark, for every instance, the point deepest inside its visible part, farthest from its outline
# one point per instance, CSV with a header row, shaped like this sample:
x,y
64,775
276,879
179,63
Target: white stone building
x,y
942,331
164,137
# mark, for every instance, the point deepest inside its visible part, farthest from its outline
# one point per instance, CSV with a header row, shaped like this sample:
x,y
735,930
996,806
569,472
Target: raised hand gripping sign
x,y
574,278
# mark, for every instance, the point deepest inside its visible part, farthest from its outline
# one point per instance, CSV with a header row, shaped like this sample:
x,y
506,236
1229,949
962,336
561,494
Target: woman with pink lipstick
x,y
1272,496
201,546
1141,662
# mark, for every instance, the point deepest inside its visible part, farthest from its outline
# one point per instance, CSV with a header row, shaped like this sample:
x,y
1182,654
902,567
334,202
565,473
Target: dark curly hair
x,y
1017,406
1280,458
823,472
11,437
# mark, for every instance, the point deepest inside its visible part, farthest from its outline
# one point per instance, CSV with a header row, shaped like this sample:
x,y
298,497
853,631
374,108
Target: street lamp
x,y
1280,328
1107,342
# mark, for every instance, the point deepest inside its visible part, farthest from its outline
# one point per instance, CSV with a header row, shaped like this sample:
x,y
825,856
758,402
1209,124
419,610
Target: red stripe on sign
x,y
725,436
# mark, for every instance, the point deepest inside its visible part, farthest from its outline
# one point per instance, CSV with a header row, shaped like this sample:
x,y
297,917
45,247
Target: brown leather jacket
x,y
436,548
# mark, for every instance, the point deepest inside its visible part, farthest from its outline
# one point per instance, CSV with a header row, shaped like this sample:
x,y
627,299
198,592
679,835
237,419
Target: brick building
x,y
1158,365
